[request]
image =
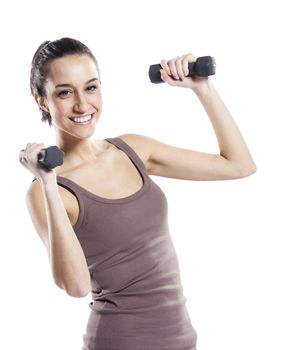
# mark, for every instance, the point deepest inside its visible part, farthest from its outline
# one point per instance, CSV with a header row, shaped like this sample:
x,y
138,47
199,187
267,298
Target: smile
x,y
82,120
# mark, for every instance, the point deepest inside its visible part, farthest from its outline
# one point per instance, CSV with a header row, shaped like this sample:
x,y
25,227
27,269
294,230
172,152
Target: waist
x,y
139,296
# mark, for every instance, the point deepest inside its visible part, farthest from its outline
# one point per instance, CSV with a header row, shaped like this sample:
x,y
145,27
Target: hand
x,y
175,72
28,157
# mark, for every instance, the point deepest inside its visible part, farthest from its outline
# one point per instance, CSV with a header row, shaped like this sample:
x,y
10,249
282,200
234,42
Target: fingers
x,y
178,66
23,153
189,58
31,150
175,67
165,66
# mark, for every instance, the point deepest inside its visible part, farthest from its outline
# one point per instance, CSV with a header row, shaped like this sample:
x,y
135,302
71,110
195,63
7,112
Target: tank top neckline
x,y
136,161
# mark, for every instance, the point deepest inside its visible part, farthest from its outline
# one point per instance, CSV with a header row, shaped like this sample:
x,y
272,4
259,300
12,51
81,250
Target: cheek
x,y
97,100
64,105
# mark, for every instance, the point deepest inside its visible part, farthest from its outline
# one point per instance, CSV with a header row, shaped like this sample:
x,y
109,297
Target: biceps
x,y
187,164
35,206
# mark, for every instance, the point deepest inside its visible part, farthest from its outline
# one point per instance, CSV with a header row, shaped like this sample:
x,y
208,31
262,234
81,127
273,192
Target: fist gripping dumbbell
x,y
50,157
203,67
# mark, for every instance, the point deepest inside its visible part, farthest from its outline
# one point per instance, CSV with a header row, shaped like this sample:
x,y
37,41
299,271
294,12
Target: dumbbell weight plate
x,y
51,157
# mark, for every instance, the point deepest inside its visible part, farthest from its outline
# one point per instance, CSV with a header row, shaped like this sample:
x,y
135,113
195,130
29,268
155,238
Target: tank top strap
x,y
80,192
117,141
71,186
68,184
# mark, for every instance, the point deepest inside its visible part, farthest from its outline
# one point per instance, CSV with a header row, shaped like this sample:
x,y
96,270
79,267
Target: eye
x,y
92,87
63,93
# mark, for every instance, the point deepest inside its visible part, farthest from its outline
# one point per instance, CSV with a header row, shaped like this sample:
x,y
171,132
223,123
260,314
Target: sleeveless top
x,y
138,301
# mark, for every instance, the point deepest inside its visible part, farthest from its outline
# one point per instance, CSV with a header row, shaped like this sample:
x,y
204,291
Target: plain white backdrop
x,y
237,241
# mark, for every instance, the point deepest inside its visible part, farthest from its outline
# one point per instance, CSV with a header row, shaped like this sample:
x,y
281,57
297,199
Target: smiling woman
x,y
47,52
102,219
69,97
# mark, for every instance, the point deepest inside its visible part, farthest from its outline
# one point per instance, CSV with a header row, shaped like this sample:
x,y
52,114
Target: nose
x,y
81,104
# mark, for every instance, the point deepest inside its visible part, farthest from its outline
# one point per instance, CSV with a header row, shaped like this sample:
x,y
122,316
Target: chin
x,y
85,134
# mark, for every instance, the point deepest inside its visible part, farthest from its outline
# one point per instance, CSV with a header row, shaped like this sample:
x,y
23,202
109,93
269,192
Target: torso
x,y
112,175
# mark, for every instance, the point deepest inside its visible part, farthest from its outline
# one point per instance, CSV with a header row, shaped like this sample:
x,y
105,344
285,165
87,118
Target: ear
x,y
41,101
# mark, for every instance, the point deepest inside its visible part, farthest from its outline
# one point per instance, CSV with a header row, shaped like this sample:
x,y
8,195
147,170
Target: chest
x,y
113,176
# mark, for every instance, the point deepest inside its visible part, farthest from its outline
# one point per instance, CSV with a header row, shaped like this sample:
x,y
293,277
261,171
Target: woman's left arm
x,y
234,160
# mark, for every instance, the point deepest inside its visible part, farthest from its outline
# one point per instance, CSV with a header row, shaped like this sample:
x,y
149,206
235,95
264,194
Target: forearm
x,y
231,143
68,263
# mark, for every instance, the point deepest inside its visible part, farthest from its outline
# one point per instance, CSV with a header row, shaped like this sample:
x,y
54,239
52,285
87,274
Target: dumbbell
x,y
50,157
203,67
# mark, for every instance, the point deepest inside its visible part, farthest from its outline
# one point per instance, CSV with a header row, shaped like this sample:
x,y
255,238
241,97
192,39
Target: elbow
x,y
75,291
248,171
78,292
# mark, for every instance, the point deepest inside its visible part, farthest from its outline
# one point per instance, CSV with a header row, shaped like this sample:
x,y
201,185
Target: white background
x,y
237,241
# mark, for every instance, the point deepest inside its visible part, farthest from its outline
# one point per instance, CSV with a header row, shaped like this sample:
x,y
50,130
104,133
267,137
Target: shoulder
x,y
36,209
141,144
34,190
34,196
137,140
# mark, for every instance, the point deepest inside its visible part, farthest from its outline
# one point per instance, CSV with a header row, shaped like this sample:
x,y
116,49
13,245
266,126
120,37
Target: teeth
x,y
81,119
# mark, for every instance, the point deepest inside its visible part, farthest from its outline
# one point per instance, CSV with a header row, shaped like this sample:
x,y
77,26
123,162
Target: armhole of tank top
x,y
130,153
80,203
79,221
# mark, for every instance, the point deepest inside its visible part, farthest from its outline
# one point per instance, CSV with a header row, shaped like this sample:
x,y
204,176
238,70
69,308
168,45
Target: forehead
x,y
72,69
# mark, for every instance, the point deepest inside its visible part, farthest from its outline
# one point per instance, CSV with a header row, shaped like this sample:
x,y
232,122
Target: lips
x,y
83,119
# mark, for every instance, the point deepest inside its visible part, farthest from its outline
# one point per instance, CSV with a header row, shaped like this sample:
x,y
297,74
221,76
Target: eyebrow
x,y
64,85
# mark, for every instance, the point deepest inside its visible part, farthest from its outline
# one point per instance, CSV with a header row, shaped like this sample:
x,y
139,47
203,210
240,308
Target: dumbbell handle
x,y
50,157
203,67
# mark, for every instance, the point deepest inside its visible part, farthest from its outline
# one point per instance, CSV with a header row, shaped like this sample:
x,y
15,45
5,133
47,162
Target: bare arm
x,y
231,142
234,160
50,218
67,260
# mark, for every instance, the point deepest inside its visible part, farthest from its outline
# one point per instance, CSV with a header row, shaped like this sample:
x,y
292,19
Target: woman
x,y
102,219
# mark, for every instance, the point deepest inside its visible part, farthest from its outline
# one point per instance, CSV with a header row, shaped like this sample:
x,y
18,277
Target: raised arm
x,y
234,160
51,221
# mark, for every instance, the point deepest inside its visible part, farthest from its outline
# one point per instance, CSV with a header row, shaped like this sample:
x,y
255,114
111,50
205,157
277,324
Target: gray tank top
x,y
138,301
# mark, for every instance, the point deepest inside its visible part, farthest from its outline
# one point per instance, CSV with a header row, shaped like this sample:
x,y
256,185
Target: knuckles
x,y
30,149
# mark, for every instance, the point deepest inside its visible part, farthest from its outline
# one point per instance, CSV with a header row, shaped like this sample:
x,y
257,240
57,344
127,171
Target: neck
x,y
78,150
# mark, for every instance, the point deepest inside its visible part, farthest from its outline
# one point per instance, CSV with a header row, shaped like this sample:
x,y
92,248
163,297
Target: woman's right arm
x,y
51,221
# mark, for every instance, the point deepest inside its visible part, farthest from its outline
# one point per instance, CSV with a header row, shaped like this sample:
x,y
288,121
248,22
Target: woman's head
x,y
63,61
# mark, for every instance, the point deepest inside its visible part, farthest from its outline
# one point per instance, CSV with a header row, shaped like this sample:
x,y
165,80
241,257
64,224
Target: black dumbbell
x,y
203,67
50,157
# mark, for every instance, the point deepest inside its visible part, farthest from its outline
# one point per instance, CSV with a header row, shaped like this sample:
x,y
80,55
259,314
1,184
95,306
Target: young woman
x,y
101,217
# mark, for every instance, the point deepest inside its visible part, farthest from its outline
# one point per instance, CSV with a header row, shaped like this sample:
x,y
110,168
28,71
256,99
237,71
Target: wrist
x,y
48,182
203,89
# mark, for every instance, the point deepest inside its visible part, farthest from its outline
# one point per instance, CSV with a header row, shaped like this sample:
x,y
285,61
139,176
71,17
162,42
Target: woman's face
x,y
73,93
